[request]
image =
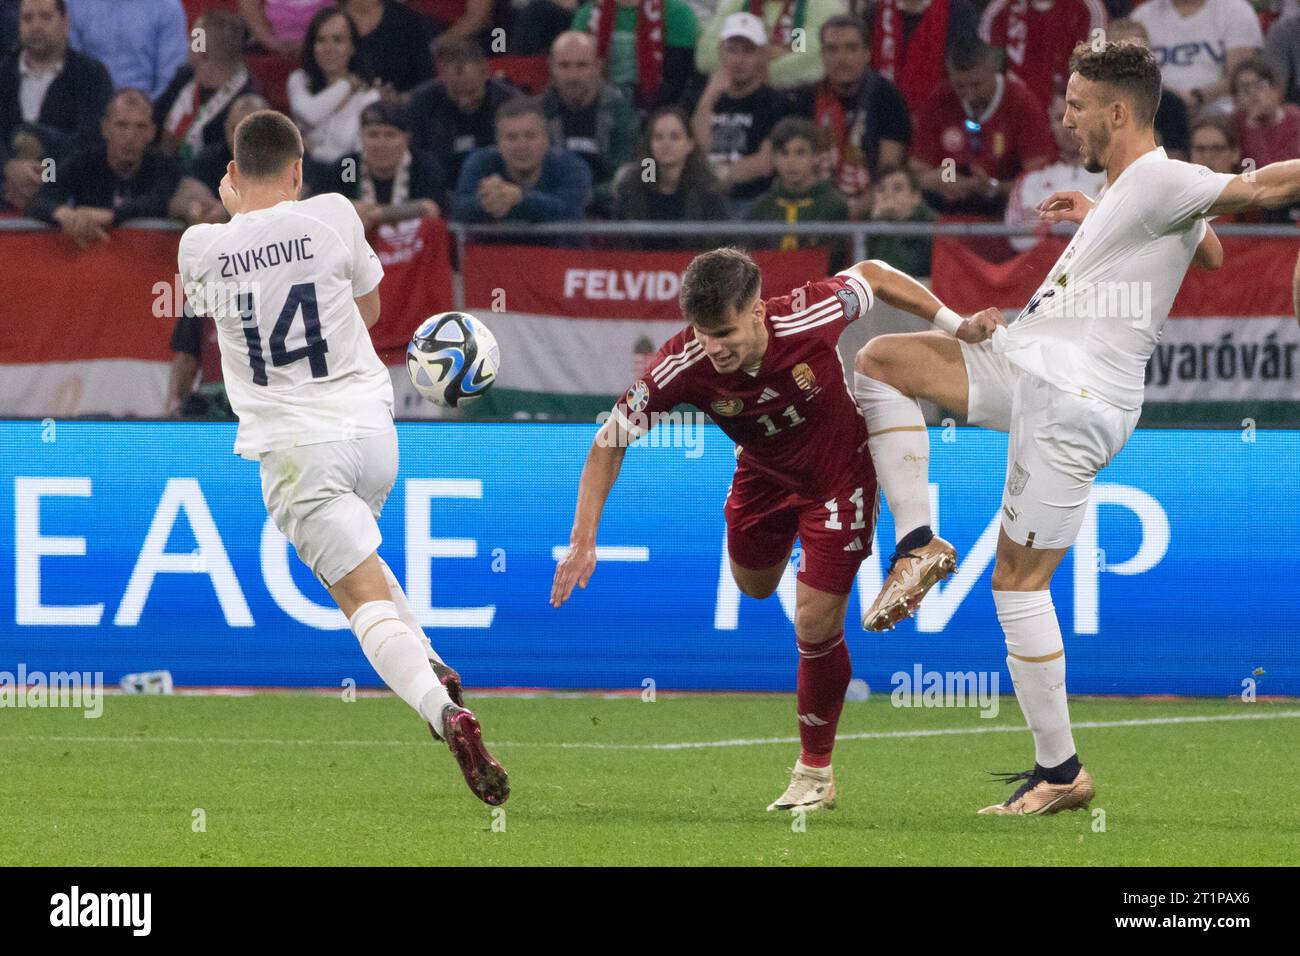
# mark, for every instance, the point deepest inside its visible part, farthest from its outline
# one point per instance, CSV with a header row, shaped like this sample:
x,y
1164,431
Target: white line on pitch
x,y
687,745
607,553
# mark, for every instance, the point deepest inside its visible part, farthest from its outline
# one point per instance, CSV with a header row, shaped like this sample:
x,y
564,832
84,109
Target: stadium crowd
x,y
553,110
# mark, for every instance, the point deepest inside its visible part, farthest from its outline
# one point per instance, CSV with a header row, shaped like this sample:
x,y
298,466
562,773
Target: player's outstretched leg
x,y
1036,660
398,656
824,673
900,451
445,674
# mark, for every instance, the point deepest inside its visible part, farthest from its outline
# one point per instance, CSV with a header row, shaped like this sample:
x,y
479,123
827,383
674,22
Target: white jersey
x,y
1095,320
296,355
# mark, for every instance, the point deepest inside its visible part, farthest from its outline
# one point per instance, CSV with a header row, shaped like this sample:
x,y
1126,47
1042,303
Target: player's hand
x,y
980,326
575,568
1070,206
229,195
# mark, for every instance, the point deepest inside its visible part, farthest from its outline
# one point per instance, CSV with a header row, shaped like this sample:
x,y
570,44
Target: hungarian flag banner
x,y
577,327
1229,352
95,332
416,256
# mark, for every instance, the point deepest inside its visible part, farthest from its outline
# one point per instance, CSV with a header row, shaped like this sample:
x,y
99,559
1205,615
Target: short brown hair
x,y
716,282
1255,64
224,34
789,128
1128,68
265,143
521,106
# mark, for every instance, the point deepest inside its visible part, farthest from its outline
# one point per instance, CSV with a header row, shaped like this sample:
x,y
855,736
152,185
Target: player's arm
x,y
368,306
604,462
1270,187
1209,251
900,290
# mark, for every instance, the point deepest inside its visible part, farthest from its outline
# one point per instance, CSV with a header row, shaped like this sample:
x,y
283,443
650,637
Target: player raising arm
x,y
293,287
769,373
1066,378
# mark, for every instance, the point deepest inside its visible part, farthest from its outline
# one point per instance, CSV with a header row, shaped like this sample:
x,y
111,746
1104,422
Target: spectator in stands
x,y
977,134
51,93
587,115
142,42
455,114
103,185
910,38
521,178
1215,144
1039,37
1282,47
648,46
538,24
209,166
280,25
328,93
798,194
861,114
1198,44
393,42
737,111
390,182
1269,129
191,113
1172,122
1065,174
897,198
453,20
22,172
195,388
670,182
794,31
8,25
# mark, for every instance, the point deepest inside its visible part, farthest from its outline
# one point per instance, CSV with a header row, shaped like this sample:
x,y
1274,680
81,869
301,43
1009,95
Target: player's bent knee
x,y
873,359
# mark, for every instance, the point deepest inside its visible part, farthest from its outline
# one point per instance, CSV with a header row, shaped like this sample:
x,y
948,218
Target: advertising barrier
x,y
133,548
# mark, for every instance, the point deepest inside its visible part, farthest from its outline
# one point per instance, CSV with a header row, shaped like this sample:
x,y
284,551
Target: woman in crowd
x,y
1215,144
328,93
671,182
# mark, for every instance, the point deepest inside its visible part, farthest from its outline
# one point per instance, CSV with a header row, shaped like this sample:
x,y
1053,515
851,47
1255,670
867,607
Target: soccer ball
x,y
453,359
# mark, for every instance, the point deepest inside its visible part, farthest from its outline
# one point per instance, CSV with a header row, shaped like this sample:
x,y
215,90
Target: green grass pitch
x,y
310,779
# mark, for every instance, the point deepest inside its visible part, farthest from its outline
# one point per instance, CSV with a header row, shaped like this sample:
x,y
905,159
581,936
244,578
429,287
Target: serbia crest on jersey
x,y
794,417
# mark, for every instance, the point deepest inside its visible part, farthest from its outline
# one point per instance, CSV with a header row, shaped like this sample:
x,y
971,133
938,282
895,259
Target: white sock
x,y
397,657
1036,659
405,614
900,450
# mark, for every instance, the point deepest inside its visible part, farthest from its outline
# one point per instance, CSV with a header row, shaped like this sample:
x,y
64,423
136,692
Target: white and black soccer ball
x,y
453,359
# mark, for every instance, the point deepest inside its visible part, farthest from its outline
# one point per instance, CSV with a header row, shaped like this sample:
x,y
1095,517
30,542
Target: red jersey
x,y
1013,130
794,419
1039,40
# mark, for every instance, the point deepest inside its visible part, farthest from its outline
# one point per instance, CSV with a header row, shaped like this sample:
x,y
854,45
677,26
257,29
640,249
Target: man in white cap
x,y
737,111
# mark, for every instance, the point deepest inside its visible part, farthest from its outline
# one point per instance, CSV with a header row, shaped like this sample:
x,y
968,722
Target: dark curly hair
x,y
1129,69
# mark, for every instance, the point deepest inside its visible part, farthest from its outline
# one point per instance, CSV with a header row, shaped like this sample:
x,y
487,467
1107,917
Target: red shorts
x,y
763,519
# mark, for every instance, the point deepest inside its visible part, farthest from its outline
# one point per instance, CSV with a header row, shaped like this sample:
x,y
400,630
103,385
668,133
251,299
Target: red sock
x,y
824,672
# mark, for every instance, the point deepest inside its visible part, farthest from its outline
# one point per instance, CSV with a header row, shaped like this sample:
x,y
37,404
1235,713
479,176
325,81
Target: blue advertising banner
x,y
140,546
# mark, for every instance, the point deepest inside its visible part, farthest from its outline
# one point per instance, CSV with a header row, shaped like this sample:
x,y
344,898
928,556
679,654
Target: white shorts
x,y
1057,442
325,499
